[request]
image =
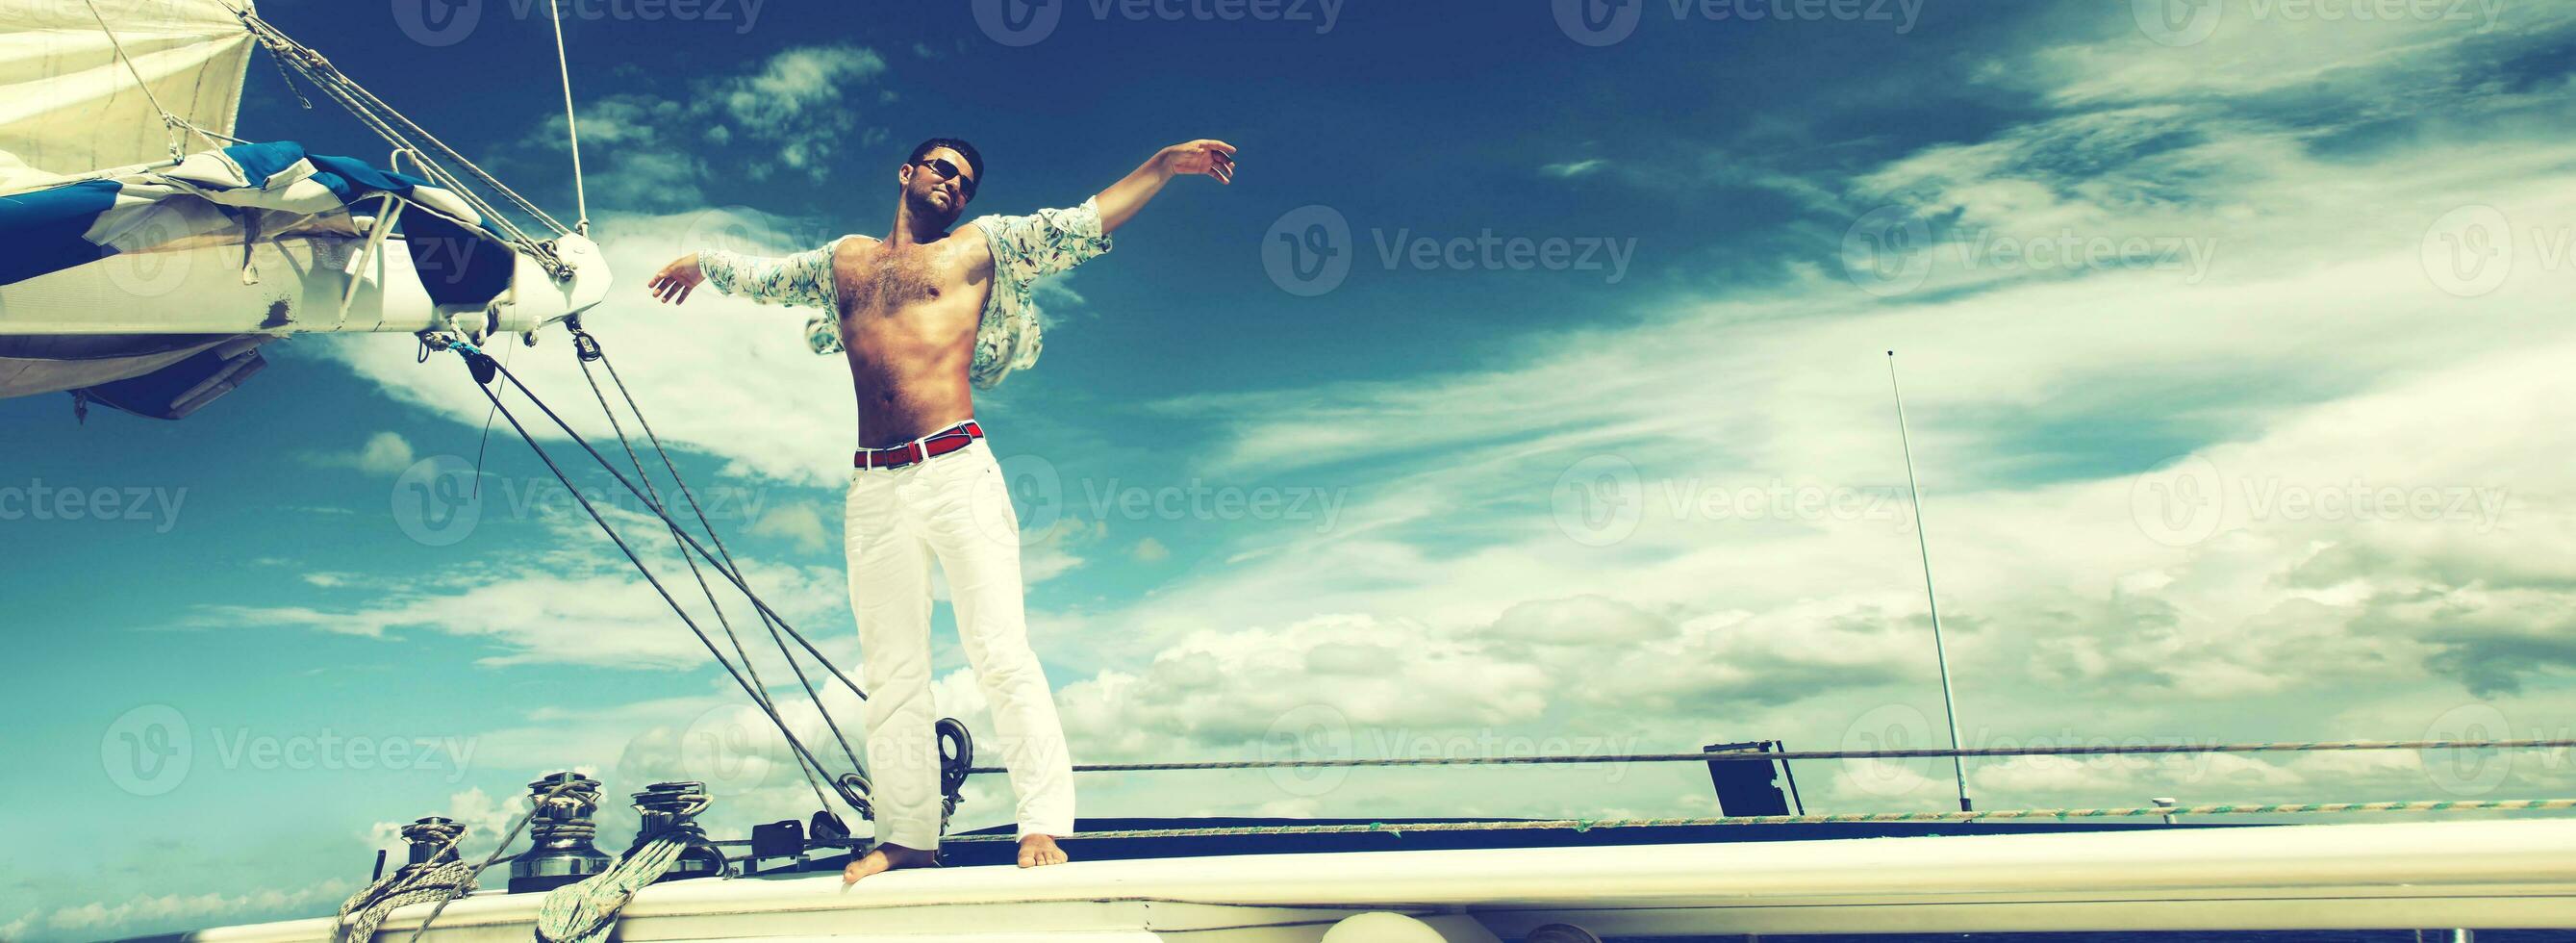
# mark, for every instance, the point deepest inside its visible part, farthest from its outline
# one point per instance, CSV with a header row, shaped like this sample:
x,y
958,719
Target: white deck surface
x,y
2405,875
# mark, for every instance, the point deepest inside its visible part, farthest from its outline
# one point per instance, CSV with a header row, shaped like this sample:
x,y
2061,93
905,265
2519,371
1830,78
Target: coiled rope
x,y
367,909
584,911
444,883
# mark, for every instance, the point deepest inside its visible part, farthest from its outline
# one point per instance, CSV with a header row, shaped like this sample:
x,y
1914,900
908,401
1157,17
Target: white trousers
x,y
957,507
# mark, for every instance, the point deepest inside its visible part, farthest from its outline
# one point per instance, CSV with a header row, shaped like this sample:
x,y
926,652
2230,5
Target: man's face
x,y
939,185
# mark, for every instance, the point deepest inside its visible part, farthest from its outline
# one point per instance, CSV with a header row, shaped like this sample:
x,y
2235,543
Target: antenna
x,y
1940,655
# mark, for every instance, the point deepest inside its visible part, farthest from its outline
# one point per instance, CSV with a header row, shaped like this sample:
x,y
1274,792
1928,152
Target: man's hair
x,y
974,161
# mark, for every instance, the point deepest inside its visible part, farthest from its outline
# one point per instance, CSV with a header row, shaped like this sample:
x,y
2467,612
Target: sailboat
x,y
152,251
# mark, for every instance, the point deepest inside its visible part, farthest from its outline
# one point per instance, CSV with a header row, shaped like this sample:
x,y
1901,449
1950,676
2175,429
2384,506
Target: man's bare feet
x,y
1039,850
886,857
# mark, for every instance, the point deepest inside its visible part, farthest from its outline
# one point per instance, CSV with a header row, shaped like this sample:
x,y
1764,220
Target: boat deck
x,y
2491,874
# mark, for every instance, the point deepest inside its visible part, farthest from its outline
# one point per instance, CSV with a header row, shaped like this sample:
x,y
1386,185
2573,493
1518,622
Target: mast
x,y
1931,600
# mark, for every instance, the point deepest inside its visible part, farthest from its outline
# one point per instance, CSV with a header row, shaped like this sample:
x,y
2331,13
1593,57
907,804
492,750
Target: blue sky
x,y
2231,349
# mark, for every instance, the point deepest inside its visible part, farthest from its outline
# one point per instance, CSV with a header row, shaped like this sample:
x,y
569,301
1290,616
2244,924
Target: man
x,y
924,314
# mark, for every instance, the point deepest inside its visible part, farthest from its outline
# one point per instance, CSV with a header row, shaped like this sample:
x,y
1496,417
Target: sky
x,y
1528,391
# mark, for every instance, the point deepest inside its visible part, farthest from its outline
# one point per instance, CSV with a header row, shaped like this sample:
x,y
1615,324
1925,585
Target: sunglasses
x,y
949,171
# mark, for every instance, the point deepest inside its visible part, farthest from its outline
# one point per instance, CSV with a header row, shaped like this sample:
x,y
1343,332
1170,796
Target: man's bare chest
x,y
885,281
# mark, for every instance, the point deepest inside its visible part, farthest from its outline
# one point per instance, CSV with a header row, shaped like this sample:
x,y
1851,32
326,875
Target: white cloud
x,y
718,375
556,606
385,453
796,111
2071,608
1150,550
799,523
1453,607
1573,169
108,918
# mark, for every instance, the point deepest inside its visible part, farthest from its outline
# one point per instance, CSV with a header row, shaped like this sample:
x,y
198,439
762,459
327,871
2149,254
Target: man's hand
x,y
673,283
1121,201
1213,158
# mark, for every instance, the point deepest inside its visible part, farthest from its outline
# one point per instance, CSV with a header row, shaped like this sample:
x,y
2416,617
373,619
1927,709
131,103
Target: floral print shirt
x,y
1025,248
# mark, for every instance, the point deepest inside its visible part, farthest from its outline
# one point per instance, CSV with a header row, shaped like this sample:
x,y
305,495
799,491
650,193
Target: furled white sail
x,y
145,283
69,105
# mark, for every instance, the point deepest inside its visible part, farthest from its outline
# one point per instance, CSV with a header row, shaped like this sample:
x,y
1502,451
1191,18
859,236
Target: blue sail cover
x,y
246,191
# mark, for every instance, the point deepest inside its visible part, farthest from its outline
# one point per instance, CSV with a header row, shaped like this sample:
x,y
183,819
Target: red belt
x,y
922,449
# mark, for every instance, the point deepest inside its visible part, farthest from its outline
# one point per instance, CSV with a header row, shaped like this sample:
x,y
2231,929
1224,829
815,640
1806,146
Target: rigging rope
x,y
729,574
572,125
382,118
585,349
476,359
1581,825
2101,750
170,123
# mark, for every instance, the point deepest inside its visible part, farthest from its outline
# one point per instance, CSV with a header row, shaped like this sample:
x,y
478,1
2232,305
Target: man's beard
x,y
924,208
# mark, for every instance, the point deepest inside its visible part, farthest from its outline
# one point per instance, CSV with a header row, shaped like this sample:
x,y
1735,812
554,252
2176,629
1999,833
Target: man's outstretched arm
x,y
801,279
1122,199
